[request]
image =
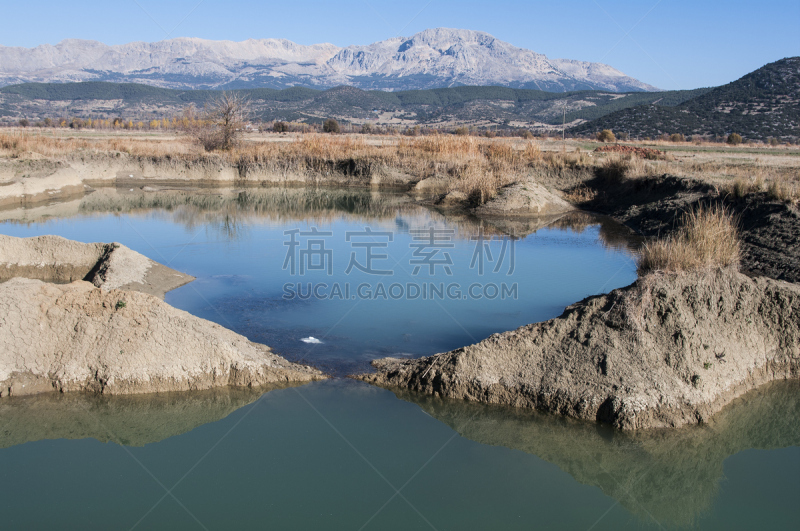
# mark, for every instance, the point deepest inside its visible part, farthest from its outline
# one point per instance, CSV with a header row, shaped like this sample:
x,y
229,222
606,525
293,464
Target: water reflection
x,y
228,212
671,476
131,420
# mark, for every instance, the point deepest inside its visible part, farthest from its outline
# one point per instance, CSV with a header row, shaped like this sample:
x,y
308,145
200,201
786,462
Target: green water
x,y
340,454
330,455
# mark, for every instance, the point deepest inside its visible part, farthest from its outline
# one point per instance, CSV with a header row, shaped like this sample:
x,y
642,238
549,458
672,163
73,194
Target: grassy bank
x,y
476,166
707,238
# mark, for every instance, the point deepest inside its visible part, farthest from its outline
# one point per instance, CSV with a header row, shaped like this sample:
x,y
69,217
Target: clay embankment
x,y
666,351
118,338
106,265
31,181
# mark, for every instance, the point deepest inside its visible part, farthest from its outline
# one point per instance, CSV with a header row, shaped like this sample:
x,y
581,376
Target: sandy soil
x,y
77,337
107,266
105,328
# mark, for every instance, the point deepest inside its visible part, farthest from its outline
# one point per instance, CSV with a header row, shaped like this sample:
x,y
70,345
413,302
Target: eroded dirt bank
x,y
666,351
106,329
28,182
105,265
31,180
77,337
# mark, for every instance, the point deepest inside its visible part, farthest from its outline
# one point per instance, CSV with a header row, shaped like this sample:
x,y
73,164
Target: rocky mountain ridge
x,y
433,58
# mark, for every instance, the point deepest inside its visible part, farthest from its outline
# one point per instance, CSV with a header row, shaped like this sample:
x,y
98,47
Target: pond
x,y
336,278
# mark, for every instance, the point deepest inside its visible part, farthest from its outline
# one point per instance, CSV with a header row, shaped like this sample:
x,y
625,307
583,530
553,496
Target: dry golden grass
x,y
15,145
708,238
474,165
783,190
743,187
580,194
615,169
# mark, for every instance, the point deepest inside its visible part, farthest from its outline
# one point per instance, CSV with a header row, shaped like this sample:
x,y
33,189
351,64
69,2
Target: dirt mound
x,y
645,153
527,198
106,265
73,337
666,351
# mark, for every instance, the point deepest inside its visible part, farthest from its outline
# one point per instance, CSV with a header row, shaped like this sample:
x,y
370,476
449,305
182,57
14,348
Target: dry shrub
x,y
615,169
708,238
782,190
742,187
606,135
444,145
500,153
532,152
561,161
580,194
476,182
223,121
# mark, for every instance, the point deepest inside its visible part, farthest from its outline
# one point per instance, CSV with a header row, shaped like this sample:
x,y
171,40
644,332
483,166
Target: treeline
x,y
370,128
301,102
607,135
192,120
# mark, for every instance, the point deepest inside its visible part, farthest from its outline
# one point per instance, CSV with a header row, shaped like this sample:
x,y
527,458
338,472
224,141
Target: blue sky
x,y
668,43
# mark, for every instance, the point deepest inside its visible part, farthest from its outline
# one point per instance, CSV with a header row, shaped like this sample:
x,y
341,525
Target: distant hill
x,y
433,58
764,103
481,106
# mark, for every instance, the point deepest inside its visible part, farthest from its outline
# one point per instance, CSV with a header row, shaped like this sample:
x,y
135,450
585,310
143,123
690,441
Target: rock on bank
x,y
666,351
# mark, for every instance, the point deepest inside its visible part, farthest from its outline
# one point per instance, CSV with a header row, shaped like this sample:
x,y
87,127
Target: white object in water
x,y
311,339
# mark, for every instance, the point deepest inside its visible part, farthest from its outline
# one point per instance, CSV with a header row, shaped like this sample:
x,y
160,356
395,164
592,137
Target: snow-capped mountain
x,y
432,58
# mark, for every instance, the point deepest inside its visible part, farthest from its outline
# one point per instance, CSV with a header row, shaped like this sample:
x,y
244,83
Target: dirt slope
x,y
71,337
666,351
106,265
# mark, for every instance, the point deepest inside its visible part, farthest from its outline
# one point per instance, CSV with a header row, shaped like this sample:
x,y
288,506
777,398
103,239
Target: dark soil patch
x,y
770,230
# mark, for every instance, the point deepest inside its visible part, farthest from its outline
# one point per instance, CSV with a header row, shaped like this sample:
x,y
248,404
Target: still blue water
x,y
340,454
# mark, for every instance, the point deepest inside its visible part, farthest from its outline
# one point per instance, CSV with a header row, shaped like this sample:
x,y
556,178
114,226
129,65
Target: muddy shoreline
x,y
649,206
769,229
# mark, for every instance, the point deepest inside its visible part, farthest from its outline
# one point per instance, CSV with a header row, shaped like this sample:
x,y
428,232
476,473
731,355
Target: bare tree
x,y
223,121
